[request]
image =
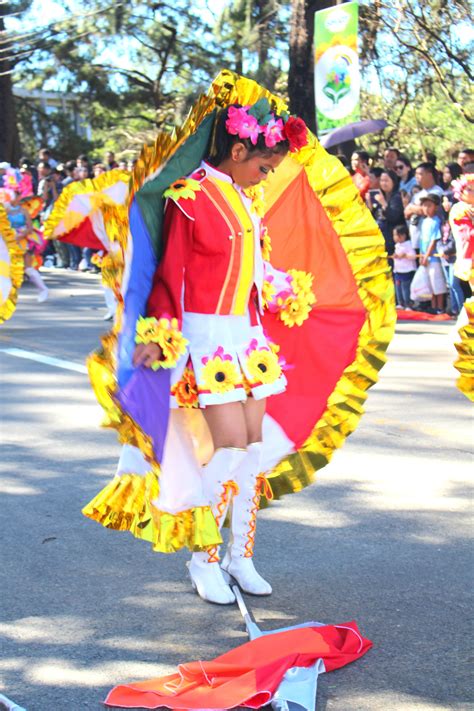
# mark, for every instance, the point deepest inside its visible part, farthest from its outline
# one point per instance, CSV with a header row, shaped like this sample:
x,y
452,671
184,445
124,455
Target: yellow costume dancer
x,y
11,267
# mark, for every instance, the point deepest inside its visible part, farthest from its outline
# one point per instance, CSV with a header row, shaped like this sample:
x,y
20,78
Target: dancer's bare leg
x,y
227,424
254,411
235,424
35,278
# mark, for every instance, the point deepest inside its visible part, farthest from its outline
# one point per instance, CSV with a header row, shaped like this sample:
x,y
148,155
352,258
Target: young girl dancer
x,y
210,281
225,377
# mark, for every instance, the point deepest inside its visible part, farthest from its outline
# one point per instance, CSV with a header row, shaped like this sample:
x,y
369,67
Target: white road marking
x,y
47,360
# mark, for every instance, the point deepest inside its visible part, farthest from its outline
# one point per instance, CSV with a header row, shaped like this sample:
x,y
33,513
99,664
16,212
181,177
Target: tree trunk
x,y
301,72
9,139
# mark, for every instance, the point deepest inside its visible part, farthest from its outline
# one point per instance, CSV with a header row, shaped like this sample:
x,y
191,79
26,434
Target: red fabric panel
x,y
303,237
403,315
317,352
83,236
248,675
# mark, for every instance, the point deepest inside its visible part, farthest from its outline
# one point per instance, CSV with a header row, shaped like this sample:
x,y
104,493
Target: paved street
x,y
382,538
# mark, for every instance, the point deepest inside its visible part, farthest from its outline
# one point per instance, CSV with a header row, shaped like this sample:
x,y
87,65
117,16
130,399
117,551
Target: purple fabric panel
x,y
139,286
146,398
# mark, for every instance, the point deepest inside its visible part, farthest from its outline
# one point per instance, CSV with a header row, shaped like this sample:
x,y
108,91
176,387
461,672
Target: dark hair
x,y
377,171
402,230
405,160
83,157
394,150
469,151
429,167
362,154
393,177
45,150
70,165
455,170
221,142
44,164
342,158
430,157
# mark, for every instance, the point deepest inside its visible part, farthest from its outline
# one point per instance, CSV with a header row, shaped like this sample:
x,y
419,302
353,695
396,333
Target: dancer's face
x,y
248,169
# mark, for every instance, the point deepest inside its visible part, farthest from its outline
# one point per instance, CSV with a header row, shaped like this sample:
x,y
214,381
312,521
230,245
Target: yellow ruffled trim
x,y
465,362
115,221
365,250
16,266
124,505
90,186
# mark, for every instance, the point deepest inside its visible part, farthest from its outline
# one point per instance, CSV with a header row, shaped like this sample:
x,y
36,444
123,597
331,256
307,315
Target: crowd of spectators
x,y
411,202
47,178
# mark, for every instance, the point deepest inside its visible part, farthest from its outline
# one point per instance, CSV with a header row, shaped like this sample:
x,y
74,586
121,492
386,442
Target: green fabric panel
x,y
186,159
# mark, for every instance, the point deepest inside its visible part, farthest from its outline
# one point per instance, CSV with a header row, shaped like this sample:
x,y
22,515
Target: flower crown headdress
x,y
461,184
251,121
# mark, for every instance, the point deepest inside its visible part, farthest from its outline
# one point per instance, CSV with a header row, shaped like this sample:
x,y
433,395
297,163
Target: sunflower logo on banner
x,y
336,75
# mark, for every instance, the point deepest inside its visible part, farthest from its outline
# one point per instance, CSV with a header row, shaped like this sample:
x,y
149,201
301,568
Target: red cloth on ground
x,y
403,315
248,675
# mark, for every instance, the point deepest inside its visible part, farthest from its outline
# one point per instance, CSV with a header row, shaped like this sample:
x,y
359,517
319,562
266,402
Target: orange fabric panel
x,y
247,675
303,237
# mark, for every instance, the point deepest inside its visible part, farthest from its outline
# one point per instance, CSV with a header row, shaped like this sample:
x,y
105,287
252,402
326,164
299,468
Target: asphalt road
x,y
383,537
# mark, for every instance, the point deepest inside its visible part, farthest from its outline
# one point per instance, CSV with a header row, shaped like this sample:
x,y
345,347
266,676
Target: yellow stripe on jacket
x,y
245,281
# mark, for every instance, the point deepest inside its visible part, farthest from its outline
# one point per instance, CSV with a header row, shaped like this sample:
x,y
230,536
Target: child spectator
x,y
430,234
446,248
404,265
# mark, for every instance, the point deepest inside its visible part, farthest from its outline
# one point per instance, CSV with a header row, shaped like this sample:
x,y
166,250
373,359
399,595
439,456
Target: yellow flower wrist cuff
x,y
165,332
296,309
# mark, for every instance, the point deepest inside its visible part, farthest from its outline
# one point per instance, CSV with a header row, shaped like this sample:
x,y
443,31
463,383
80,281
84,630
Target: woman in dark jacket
x,y
388,207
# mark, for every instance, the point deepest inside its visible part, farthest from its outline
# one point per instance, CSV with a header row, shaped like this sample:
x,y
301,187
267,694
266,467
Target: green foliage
x,y
428,123
137,66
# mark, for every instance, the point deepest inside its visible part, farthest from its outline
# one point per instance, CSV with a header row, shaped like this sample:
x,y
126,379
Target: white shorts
x,y
437,278
227,359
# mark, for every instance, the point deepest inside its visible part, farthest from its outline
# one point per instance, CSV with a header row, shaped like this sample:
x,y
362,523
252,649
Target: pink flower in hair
x,y
273,132
242,124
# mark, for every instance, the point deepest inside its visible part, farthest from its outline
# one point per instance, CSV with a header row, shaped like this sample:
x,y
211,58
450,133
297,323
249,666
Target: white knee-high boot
x,y
219,486
36,279
238,558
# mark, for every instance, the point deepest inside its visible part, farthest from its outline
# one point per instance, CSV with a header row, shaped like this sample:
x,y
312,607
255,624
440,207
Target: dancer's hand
x,y
147,354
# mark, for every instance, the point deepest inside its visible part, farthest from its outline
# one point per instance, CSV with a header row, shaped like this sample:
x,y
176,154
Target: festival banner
x,y
336,66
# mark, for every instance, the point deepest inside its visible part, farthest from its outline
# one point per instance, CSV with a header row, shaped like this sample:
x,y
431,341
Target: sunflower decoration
x,y
220,374
165,332
185,390
257,195
262,365
295,310
268,292
266,244
96,259
302,282
184,188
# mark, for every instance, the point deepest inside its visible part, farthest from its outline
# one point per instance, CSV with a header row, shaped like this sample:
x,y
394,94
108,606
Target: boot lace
x,y
262,486
229,488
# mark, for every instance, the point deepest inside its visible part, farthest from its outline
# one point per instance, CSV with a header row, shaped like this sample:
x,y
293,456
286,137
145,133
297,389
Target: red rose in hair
x,y
296,133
